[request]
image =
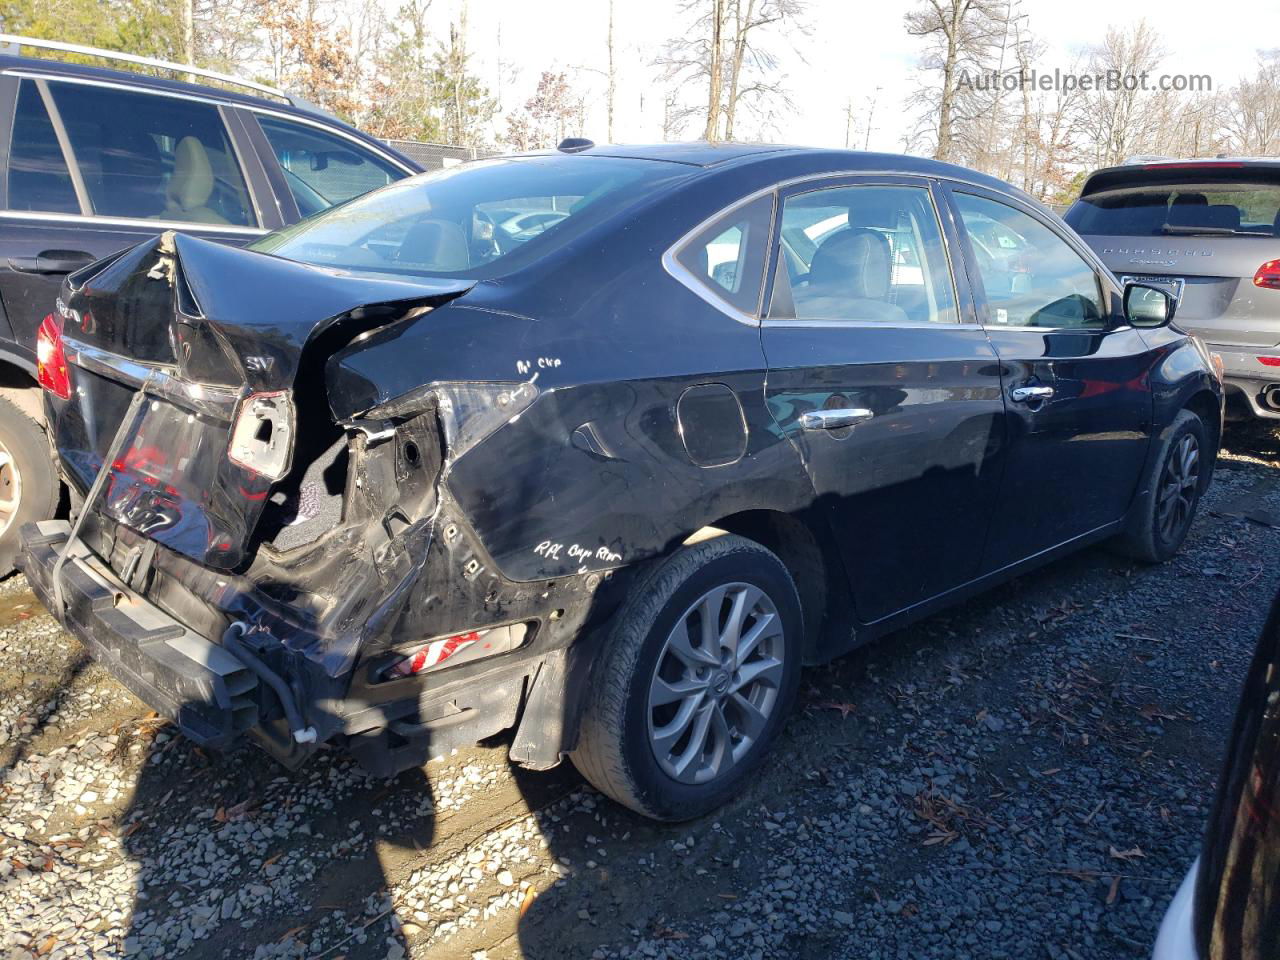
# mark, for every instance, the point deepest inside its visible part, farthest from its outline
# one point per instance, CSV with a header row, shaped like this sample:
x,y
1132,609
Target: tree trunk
x,y
613,78
715,68
742,24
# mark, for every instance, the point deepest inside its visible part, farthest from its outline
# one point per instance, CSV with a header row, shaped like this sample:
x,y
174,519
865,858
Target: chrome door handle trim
x,y
1027,394
834,419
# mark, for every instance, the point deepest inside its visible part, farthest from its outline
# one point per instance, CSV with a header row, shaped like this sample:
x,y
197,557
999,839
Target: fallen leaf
x,y
1127,855
529,896
845,708
47,947
270,860
220,815
1115,889
292,932
666,933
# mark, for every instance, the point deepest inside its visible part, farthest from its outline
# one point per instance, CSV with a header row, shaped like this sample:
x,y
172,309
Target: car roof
x,y
814,160
58,68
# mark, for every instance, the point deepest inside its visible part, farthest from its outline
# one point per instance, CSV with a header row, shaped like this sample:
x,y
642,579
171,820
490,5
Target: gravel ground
x,y
1026,777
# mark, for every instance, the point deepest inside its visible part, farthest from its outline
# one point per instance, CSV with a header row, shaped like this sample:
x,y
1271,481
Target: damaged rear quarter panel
x,y
595,474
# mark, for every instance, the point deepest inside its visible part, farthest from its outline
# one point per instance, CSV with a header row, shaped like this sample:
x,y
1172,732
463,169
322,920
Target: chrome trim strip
x,y
159,379
685,278
105,363
881,324
161,225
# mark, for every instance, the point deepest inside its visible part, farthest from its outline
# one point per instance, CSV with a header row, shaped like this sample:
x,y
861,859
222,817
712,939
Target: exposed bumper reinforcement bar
x,y
206,691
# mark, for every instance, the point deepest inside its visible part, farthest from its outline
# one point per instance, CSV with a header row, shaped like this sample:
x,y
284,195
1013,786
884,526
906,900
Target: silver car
x,y
1208,231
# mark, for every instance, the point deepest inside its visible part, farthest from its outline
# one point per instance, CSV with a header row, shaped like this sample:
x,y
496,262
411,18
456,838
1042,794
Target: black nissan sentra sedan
x,y
602,445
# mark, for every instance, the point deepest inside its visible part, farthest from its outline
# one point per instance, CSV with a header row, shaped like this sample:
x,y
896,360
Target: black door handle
x,y
52,261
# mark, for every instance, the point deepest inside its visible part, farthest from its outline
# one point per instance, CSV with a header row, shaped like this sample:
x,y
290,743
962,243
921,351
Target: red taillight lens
x,y
51,360
1268,275
1269,361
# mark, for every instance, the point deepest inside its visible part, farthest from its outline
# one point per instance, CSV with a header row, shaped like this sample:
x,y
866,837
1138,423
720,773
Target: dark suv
x,y
95,160
1208,231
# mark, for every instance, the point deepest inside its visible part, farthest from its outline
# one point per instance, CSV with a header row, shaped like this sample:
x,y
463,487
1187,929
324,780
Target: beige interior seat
x,y
191,184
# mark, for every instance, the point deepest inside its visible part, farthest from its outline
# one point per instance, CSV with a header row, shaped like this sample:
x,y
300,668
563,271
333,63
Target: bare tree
x,y
723,49
752,68
1122,118
961,35
1253,110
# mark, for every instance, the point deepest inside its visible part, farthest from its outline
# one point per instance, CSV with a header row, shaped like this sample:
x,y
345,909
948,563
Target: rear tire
x,y
1165,509
681,714
28,481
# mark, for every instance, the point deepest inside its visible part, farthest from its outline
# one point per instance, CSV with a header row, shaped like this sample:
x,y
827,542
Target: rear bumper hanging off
x,y
206,691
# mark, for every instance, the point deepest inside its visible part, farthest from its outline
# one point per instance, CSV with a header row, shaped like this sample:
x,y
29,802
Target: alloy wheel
x,y
10,488
716,683
1179,483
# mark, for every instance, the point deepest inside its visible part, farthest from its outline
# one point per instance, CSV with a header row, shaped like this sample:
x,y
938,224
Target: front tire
x,y
694,680
1164,511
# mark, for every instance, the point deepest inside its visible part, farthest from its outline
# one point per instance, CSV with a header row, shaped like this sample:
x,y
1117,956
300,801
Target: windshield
x,y
1238,207
475,220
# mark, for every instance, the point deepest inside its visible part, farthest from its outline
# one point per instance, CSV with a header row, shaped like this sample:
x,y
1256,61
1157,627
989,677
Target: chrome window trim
x,y
883,324
686,279
253,107
194,226
927,187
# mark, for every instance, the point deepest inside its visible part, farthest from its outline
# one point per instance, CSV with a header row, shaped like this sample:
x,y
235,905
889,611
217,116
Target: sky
x,y
855,53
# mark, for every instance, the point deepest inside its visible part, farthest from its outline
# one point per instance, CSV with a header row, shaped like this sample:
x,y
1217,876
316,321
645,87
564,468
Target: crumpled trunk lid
x,y
203,329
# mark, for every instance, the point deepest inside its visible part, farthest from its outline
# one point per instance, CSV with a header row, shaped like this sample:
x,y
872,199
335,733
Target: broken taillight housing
x,y
51,358
1268,275
460,648
262,436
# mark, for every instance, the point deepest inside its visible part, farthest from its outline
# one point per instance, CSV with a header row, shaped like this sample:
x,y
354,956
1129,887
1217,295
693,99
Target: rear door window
x,y
39,178
863,253
1241,207
152,157
323,169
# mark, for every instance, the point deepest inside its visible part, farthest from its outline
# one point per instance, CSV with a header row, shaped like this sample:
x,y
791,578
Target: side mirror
x,y
1148,307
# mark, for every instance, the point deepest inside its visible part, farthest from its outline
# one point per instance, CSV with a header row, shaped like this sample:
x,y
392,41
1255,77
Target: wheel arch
x,y
812,560
1205,405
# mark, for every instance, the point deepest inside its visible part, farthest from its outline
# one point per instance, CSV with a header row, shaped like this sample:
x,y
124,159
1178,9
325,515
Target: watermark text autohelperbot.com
x,y
1064,81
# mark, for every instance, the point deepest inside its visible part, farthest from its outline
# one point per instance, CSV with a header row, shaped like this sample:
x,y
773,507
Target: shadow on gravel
x,y
239,857
14,752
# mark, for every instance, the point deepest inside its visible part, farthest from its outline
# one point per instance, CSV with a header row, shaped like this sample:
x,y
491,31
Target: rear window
x,y
1240,207
474,220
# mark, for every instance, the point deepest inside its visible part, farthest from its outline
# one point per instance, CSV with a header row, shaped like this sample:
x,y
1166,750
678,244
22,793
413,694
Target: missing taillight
x,y
51,358
262,437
